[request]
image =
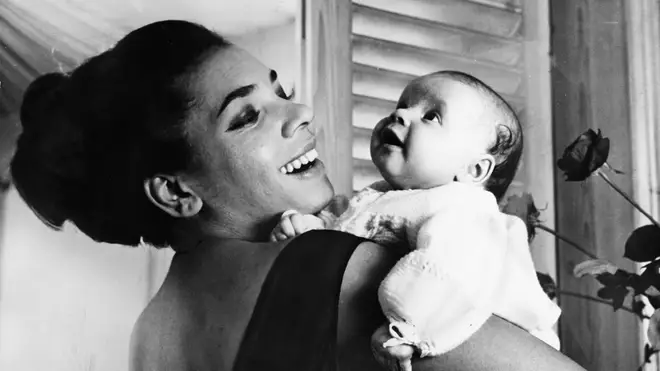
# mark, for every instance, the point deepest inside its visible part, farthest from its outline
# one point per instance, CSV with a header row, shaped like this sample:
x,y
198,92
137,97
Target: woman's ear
x,y
172,195
478,171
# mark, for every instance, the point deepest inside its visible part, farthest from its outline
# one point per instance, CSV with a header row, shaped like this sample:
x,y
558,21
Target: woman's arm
x,y
498,345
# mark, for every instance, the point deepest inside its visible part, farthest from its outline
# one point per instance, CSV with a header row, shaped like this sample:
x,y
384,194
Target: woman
x,y
177,138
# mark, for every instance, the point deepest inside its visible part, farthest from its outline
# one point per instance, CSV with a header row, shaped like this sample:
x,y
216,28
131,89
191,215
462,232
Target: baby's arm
x,y
442,292
292,224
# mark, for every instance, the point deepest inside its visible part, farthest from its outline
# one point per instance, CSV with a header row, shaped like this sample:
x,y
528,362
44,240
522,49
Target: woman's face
x,y
257,146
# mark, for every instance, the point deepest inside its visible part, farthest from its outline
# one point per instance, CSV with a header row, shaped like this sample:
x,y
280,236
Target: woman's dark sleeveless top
x,y
294,324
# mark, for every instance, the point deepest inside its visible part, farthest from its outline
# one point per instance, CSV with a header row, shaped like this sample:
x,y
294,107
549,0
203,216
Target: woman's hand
x,y
393,358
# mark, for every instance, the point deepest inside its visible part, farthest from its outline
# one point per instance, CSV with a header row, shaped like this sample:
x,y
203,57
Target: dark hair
x,y
92,136
508,146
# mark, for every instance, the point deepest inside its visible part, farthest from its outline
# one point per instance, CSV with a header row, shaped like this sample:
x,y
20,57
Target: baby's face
x,y
440,127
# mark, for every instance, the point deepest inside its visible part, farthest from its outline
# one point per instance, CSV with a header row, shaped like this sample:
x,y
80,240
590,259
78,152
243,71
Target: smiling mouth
x,y
388,136
301,164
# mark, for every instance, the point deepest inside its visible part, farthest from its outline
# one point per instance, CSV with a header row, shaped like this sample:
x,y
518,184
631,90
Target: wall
x,y
67,303
591,90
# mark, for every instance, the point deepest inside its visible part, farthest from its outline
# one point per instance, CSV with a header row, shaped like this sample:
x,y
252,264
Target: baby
x,y
447,155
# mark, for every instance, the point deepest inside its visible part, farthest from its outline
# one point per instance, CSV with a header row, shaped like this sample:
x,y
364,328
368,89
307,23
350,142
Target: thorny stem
x,y
625,195
597,300
574,244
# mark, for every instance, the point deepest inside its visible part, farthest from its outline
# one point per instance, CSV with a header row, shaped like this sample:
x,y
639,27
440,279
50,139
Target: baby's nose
x,y
399,116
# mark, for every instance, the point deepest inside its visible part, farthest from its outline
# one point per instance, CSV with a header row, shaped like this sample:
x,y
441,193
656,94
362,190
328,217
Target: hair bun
x,y
48,164
42,100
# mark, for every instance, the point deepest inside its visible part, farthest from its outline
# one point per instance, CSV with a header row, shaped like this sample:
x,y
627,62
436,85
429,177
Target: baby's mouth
x,y
390,137
301,164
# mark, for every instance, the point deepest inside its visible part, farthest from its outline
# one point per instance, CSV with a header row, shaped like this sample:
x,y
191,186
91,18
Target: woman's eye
x,y
433,116
248,117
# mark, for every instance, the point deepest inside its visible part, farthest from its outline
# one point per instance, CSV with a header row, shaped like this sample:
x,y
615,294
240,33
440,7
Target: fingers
x,y
299,223
325,219
391,363
292,224
278,236
405,365
395,356
286,226
284,229
380,336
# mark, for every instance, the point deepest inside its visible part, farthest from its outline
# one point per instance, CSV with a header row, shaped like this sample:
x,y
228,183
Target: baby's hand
x,y
293,223
396,357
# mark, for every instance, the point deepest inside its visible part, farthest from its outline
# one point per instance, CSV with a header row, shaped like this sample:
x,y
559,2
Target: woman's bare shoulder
x,y
164,335
198,316
153,340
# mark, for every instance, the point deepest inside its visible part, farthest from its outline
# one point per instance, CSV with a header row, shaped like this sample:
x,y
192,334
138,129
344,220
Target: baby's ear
x,y
478,171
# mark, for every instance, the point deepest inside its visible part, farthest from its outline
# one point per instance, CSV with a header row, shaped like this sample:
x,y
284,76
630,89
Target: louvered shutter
x,y
396,40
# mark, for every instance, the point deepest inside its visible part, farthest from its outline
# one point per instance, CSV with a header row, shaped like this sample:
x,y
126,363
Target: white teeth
x,y
306,158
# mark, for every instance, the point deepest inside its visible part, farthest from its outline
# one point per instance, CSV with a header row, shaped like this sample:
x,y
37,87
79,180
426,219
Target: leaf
x,y
639,284
619,278
638,307
594,267
643,244
647,282
619,297
616,293
648,353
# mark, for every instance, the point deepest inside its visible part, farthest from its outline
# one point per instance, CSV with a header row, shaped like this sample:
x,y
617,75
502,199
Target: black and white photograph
x,y
330,185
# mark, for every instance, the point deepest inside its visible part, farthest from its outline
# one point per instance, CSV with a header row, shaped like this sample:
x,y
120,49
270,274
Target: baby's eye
x,y
432,116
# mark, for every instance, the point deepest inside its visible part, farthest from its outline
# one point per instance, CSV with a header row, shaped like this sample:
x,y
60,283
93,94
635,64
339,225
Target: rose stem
x,y
597,300
575,245
624,195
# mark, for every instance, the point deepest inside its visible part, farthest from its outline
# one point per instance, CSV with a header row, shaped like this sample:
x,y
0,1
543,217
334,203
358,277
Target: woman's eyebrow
x,y
241,92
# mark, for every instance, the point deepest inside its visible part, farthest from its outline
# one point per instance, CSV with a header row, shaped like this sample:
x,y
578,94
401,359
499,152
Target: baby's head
x,y
448,126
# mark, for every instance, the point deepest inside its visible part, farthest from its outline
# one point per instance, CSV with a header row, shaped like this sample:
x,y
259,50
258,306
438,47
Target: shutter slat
x,y
364,173
510,5
362,143
468,14
405,30
368,111
378,83
388,85
417,61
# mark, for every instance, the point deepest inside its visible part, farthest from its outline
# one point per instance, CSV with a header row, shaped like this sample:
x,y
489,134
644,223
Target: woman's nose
x,y
400,117
297,117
